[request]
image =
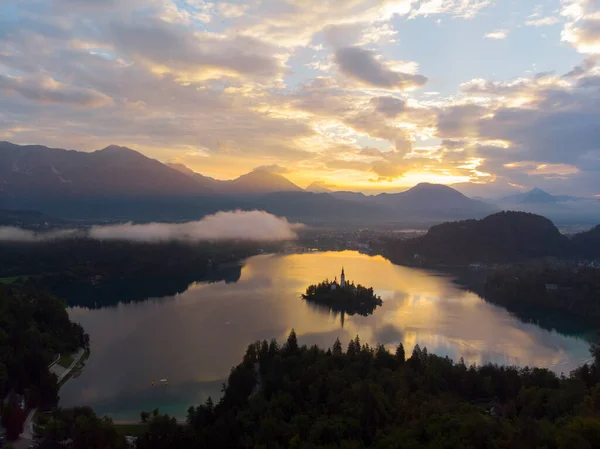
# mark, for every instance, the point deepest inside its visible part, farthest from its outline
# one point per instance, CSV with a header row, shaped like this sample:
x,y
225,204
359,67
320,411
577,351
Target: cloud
x,y
458,8
387,171
237,225
389,106
542,127
543,169
235,83
460,121
232,10
542,21
48,90
361,65
497,34
582,29
12,234
344,35
272,168
173,48
583,68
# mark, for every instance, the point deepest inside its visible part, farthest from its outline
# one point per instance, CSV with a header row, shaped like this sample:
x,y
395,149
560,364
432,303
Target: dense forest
x,y
550,292
299,397
34,329
92,273
351,299
505,237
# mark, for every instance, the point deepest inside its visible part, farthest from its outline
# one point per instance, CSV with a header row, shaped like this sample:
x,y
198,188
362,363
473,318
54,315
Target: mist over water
x,y
236,225
193,339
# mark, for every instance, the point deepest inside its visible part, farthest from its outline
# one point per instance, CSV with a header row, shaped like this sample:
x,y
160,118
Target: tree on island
x,y
345,297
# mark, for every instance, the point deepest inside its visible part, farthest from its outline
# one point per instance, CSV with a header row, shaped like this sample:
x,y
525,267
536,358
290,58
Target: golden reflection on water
x,y
419,307
194,338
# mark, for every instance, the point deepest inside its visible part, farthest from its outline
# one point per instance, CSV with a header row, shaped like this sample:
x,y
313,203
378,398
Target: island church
x,y
334,285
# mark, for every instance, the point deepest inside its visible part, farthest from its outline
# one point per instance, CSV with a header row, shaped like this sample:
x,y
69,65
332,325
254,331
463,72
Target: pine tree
x,y
400,354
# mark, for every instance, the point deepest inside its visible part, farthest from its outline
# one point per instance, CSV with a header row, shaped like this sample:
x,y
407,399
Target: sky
x,y
490,96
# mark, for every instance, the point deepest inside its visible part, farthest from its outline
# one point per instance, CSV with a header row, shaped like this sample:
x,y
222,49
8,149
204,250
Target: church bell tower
x,y
343,279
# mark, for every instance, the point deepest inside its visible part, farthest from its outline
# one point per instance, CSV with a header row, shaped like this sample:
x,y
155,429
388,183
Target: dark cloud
x,y
589,81
459,121
362,65
562,127
389,106
581,69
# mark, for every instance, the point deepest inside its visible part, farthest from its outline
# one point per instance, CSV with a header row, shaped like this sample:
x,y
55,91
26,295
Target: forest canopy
x,y
300,397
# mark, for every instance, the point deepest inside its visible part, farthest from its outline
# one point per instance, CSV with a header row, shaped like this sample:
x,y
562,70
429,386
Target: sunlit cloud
x,y
497,34
350,95
542,21
582,29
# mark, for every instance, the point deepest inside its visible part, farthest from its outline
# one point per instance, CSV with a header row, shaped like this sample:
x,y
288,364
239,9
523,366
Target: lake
x,y
194,338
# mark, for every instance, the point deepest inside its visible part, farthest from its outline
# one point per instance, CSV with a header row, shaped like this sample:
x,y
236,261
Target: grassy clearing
x,y
65,360
135,430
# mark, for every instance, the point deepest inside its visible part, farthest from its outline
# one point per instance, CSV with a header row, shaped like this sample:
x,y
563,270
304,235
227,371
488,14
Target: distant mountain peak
x,y
119,152
535,195
263,181
318,187
115,149
433,189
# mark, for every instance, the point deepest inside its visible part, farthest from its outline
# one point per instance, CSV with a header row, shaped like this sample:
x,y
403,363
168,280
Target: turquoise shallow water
x,y
194,338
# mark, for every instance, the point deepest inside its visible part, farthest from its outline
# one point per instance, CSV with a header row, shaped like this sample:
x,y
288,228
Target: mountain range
x,y
118,183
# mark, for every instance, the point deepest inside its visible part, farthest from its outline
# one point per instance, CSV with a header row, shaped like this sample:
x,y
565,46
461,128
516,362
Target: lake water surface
x,y
194,338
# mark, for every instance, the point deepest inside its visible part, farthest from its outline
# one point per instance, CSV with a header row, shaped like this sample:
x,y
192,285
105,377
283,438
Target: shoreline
x,y
62,379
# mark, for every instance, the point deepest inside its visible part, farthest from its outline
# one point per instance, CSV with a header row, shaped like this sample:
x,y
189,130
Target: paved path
x,y
61,373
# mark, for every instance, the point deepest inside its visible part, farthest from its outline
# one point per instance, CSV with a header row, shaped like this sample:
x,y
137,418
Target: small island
x,y
344,297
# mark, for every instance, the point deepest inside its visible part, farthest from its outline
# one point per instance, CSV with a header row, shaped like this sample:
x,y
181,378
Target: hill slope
x,y
588,243
498,238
